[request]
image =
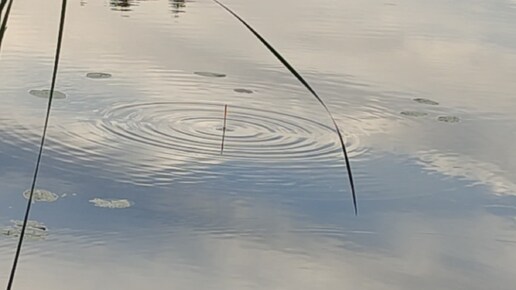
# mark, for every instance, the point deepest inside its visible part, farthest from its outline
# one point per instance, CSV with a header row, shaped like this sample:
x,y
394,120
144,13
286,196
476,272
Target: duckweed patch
x,y
448,119
46,94
111,203
41,195
243,91
426,101
98,75
414,114
209,74
34,230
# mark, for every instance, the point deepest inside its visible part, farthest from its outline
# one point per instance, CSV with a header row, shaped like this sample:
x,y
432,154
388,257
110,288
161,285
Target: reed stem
x,y
4,18
308,87
41,145
224,129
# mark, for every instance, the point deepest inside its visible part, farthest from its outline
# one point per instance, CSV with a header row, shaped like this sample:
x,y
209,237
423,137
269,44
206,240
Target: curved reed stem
x,y
309,88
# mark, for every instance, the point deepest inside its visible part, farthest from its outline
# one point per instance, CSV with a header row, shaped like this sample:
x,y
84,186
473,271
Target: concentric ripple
x,y
196,129
159,143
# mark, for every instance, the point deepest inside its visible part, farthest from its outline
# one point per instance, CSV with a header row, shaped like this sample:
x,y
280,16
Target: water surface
x,y
141,197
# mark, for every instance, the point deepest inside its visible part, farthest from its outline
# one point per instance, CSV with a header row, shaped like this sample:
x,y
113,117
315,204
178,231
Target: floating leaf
x,y
209,74
243,91
111,203
448,119
34,230
98,75
41,195
413,114
426,101
46,94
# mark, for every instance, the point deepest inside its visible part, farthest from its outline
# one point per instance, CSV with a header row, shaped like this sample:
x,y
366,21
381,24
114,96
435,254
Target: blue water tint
x,y
142,197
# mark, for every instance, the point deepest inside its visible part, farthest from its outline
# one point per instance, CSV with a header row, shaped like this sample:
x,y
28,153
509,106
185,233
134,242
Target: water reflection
x,y
151,202
123,5
171,141
177,7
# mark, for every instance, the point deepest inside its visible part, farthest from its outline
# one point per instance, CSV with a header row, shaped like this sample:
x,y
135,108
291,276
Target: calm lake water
x,y
137,195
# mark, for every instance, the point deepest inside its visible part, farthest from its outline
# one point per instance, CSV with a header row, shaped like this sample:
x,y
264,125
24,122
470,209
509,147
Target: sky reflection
x,y
436,200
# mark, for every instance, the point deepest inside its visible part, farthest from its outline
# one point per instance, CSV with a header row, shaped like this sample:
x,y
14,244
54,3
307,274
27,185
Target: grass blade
x,y
309,88
2,5
4,19
41,145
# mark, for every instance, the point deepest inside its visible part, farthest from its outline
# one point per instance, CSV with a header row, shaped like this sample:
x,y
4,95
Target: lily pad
x,y
41,195
448,119
426,101
413,114
111,203
243,91
46,94
209,74
98,75
34,230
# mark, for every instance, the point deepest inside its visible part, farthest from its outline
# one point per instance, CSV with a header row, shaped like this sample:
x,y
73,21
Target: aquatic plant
x,y
46,94
27,226
308,87
210,74
34,230
413,113
243,91
111,203
4,17
426,101
41,195
2,5
42,142
98,75
224,129
448,119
